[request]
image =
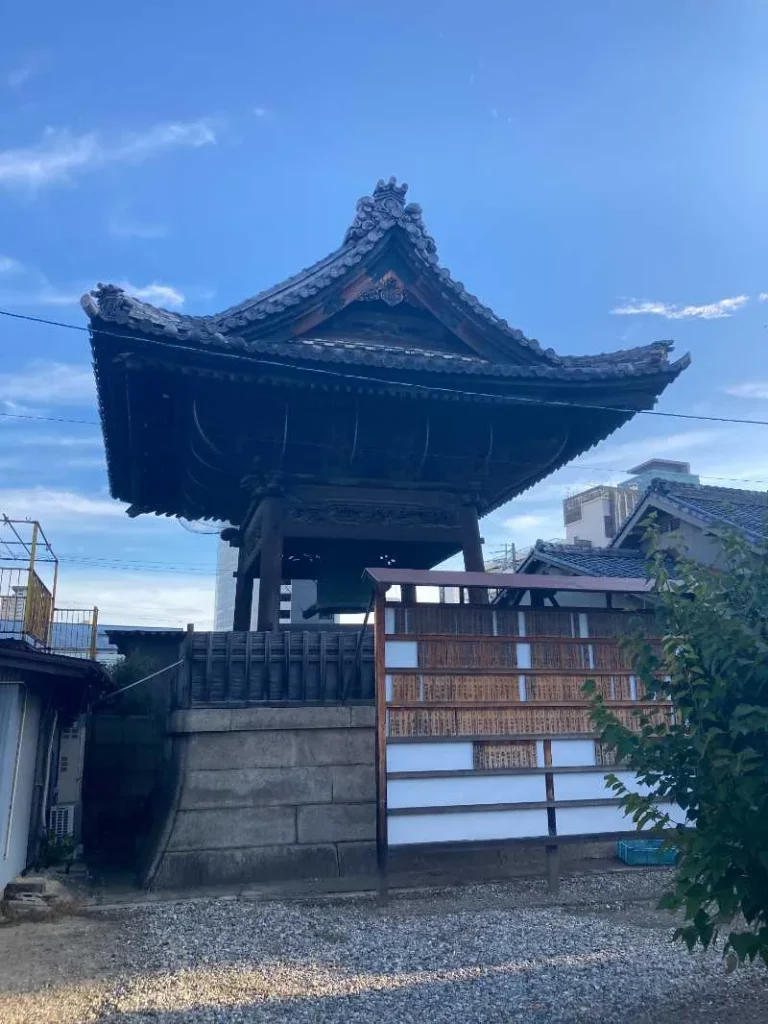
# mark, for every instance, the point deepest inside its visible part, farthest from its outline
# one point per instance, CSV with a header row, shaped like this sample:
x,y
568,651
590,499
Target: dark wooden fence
x,y
311,667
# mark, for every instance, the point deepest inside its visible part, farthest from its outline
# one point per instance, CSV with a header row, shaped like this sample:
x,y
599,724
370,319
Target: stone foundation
x,y
269,794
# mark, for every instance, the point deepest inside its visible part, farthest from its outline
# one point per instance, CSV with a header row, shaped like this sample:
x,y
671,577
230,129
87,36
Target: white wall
x,y
19,729
591,526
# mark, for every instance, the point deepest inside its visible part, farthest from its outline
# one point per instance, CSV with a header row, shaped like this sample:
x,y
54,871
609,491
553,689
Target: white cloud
x,y
710,311
156,293
60,155
763,296
126,227
525,522
8,265
260,112
50,383
26,286
23,71
134,598
627,453
60,509
749,389
33,440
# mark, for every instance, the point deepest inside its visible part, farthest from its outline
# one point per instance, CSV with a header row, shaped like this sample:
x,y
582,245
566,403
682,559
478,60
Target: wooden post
x,y
380,690
472,546
270,563
553,868
408,593
243,595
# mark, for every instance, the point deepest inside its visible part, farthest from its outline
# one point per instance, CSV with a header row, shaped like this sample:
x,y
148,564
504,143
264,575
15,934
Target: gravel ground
x,y
481,954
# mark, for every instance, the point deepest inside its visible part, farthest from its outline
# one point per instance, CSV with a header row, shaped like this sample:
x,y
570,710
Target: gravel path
x,y
482,954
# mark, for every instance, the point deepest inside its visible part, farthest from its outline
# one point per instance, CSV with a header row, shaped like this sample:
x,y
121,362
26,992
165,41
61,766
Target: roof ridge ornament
x,y
385,209
111,300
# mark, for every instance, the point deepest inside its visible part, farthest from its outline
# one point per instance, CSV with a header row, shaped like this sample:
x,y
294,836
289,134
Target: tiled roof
x,y
257,326
586,561
715,507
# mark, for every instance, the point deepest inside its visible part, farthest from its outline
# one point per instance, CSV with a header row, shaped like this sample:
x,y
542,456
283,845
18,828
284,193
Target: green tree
x,y
711,757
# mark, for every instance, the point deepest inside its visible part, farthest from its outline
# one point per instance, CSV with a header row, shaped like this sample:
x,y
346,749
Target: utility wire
x,y
511,399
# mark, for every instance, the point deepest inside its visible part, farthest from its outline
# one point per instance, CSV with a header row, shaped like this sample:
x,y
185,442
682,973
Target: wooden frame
x,y
408,660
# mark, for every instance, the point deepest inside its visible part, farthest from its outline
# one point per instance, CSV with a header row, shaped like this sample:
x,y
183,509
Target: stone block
x,y
214,751
241,867
200,720
357,858
353,783
335,746
233,827
332,823
300,717
257,787
363,716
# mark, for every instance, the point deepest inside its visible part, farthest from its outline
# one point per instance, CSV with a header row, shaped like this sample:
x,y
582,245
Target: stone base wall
x,y
270,794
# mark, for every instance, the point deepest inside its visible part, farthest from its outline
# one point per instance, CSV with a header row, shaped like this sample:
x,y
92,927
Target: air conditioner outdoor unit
x,y
61,820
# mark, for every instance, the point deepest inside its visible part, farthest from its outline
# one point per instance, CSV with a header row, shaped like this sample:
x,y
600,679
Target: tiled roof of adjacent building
x,y
715,508
585,561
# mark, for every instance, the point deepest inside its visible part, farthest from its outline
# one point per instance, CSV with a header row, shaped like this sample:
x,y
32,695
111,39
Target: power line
x,y
510,399
47,419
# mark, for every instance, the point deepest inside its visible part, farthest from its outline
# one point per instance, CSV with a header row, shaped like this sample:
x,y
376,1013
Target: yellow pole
x,y
33,552
53,602
94,631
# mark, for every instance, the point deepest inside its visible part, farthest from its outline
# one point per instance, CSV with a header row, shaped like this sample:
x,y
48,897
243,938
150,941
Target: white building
x,y
594,516
295,597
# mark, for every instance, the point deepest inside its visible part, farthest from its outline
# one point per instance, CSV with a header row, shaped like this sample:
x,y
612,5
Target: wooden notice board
x,y
483,731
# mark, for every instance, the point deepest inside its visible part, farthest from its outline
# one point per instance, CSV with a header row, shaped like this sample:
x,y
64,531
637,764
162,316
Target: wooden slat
x,y
519,705
506,638
457,773
533,805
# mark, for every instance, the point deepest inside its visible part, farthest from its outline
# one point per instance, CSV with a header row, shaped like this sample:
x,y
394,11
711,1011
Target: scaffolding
x,y
29,577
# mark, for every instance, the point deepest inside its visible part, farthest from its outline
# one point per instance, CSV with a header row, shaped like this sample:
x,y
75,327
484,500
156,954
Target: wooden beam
x,y
472,546
271,562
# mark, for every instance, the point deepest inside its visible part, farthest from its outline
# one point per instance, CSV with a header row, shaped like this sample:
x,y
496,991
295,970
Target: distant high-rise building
x,y
594,516
295,597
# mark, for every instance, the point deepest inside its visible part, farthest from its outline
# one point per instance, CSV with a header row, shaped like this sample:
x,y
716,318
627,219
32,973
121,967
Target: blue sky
x,y
573,160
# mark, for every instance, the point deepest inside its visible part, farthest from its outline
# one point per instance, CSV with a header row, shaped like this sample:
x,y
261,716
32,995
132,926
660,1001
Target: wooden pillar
x,y
408,593
243,595
473,550
271,563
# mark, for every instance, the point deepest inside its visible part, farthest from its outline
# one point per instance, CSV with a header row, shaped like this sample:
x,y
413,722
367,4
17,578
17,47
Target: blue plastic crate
x,y
645,851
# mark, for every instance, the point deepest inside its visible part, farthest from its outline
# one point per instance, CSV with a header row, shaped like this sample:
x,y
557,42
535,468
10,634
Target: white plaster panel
x,y
573,821
572,753
582,786
470,826
401,654
466,789
523,655
389,620
388,688
428,757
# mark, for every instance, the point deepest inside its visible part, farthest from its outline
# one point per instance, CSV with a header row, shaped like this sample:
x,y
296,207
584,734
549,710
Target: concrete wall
x,y
270,794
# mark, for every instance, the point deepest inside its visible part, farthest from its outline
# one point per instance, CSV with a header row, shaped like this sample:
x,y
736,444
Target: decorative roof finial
x,y
386,209
387,190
